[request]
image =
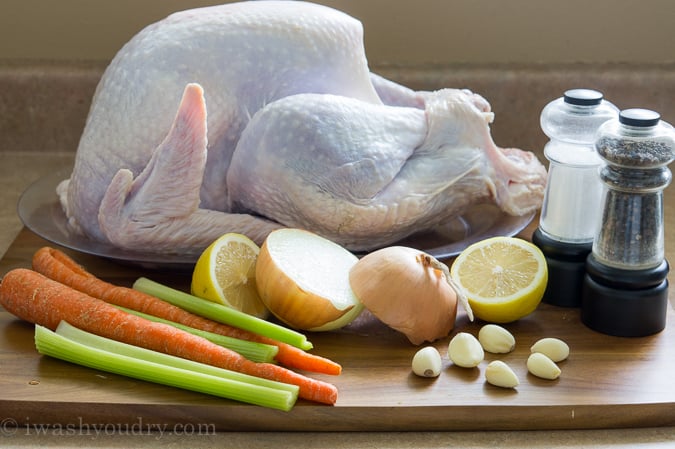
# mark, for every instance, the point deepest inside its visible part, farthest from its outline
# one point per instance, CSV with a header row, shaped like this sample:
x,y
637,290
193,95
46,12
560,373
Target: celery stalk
x,y
257,352
222,314
76,346
71,332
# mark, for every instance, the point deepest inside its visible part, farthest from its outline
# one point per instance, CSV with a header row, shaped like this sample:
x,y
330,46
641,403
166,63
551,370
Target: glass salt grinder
x,y
571,204
626,288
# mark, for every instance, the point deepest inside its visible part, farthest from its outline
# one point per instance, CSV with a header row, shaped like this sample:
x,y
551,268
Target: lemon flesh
x,y
225,274
504,278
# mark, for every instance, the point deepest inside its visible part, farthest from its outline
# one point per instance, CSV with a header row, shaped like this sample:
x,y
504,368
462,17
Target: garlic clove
x,y
541,366
465,350
554,348
500,374
427,362
496,339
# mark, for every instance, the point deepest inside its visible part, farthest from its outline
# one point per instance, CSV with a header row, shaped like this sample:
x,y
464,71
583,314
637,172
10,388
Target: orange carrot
x,y
37,299
60,267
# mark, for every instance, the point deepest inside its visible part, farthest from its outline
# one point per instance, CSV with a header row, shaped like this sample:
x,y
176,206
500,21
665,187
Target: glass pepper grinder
x,y
625,290
571,204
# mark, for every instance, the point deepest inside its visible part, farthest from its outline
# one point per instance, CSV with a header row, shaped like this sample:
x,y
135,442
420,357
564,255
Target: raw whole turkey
x,y
251,116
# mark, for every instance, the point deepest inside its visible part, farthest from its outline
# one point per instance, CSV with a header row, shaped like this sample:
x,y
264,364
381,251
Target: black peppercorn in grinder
x,y
625,291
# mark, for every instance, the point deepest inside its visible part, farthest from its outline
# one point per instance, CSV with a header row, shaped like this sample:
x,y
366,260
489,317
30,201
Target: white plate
x,y
40,211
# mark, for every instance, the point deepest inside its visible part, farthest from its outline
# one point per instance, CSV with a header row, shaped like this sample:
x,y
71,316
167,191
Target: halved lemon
x,y
504,278
225,273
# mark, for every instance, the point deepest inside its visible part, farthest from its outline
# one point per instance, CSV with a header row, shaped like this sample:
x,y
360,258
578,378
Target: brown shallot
x,y
409,290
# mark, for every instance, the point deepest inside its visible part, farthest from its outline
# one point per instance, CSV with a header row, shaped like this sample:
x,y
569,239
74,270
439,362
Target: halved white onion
x,y
303,279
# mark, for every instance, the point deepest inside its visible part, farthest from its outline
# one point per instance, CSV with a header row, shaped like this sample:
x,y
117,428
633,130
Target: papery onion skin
x,y
293,305
399,286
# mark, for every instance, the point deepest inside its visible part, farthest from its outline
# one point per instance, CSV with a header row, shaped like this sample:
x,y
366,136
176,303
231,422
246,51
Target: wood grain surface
x,y
606,382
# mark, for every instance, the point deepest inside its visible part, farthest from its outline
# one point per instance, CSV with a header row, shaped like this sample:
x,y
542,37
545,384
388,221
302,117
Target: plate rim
x,y
32,203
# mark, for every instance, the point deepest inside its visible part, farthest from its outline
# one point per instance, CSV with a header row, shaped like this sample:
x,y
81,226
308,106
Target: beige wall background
x,y
402,32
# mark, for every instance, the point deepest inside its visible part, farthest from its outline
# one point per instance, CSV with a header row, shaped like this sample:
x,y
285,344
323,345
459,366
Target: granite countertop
x,y
19,169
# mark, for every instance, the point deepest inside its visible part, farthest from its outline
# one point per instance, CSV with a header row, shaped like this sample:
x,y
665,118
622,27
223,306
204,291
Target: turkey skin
x,y
252,116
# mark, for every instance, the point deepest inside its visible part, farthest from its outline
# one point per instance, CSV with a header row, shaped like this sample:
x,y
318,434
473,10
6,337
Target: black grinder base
x,y
566,269
624,303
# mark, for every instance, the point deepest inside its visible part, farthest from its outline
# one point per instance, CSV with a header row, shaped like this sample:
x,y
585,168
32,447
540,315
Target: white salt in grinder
x,y
625,290
571,208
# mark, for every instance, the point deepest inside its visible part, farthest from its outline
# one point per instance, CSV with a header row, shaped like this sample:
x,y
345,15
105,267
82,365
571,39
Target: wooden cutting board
x,y
606,382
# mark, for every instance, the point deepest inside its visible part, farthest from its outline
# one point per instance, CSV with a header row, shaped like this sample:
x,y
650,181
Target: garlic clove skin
x,y
500,374
465,350
541,366
496,339
553,348
427,362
